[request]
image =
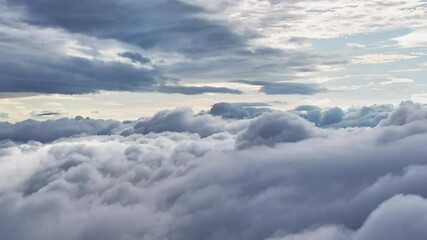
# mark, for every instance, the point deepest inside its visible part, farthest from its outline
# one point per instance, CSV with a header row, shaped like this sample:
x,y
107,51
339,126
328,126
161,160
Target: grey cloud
x,y
135,57
55,70
182,120
222,117
178,185
238,110
211,49
147,24
273,88
406,113
393,219
48,114
176,120
366,116
191,90
54,73
50,130
275,127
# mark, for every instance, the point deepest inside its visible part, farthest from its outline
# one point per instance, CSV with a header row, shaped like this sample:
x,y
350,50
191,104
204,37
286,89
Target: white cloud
x,y
355,46
350,184
396,80
380,58
280,21
419,97
417,38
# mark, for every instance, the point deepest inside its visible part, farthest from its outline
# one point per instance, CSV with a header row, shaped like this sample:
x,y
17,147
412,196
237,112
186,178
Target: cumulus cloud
x,y
273,128
222,117
46,131
237,111
167,181
406,113
366,116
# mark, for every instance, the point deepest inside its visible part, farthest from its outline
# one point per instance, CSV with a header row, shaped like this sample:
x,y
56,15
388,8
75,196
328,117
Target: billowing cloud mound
x,y
179,120
366,116
406,113
54,129
184,176
275,127
236,111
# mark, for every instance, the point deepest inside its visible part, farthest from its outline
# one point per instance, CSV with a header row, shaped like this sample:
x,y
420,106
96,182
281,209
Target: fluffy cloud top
x,y
186,176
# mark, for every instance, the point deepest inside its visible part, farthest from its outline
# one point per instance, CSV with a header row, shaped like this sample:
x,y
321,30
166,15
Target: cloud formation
x,y
167,181
366,116
277,88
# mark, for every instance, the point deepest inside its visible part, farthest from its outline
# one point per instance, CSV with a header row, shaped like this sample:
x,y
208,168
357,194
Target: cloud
x,y
191,90
406,113
416,38
380,58
311,20
397,80
384,223
366,116
183,120
135,57
275,127
278,88
167,182
77,63
50,71
355,46
50,130
222,117
48,114
147,24
237,111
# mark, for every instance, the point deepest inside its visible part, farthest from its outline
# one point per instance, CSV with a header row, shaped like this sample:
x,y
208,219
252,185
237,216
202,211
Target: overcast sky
x,y
126,59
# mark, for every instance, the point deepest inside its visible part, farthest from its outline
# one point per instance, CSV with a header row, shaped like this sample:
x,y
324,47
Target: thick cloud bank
x,y
183,176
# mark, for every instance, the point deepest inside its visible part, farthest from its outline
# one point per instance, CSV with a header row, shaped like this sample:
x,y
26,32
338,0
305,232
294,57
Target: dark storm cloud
x,y
170,25
277,88
347,184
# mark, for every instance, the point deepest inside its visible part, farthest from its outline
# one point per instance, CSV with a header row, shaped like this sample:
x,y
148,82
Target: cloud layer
x,y
183,176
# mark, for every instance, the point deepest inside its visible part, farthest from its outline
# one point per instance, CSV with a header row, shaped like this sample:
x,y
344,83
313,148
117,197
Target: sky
x,y
127,59
213,120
